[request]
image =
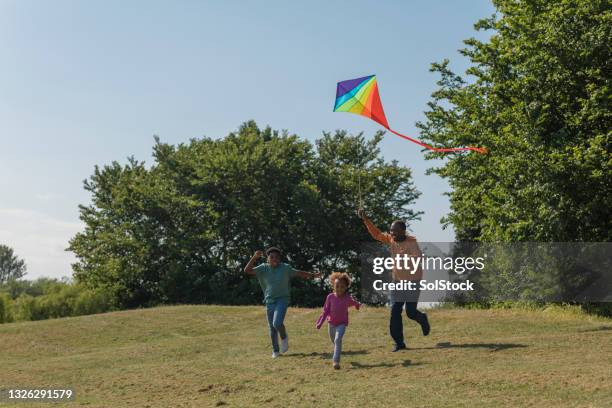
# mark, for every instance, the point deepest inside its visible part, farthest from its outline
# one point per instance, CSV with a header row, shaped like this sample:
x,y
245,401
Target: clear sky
x,y
88,82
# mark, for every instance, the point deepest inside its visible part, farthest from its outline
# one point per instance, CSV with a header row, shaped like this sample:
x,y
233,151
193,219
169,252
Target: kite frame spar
x,y
360,96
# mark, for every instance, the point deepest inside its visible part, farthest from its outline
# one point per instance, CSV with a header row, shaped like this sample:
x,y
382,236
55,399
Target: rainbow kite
x,y
360,96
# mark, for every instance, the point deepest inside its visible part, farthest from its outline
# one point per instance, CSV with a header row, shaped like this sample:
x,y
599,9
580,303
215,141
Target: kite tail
x,y
481,150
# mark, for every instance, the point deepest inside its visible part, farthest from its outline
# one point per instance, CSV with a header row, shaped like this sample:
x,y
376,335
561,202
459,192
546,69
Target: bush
x,y
598,308
5,308
51,299
92,301
56,304
23,308
38,287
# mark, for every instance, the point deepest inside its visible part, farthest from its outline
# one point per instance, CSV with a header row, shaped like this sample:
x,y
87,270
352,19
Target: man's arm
x,y
248,269
372,229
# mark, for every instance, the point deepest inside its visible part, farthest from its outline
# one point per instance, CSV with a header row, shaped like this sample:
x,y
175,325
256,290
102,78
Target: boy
x,y
274,278
399,244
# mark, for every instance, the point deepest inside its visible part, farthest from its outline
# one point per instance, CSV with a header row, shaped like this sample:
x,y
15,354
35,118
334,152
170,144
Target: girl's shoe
x,y
336,365
275,354
284,345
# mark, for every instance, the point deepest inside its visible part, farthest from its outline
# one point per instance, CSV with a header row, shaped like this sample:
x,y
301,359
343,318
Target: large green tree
x,y
537,95
181,230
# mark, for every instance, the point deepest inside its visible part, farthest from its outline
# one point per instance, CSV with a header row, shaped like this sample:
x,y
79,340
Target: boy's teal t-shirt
x,y
274,281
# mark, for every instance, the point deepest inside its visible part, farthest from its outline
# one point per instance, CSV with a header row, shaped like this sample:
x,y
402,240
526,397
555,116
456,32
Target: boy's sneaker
x,y
425,325
275,354
284,344
399,347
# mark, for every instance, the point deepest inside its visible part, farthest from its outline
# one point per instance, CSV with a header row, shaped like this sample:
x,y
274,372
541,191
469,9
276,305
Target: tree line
x,y
181,230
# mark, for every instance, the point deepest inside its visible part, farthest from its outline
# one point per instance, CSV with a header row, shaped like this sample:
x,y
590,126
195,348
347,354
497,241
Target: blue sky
x,y
89,82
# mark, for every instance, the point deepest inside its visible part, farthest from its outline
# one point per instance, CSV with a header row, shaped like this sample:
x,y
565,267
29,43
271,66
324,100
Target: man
x,y
274,278
400,244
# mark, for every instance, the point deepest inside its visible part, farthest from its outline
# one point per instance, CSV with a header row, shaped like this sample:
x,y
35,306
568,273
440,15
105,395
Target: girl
x,y
335,311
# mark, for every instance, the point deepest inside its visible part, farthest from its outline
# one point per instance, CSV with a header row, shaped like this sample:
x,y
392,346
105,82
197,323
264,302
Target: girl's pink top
x,y
335,309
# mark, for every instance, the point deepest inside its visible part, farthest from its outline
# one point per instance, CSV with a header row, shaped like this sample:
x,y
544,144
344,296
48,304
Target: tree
x,y
182,230
538,97
11,267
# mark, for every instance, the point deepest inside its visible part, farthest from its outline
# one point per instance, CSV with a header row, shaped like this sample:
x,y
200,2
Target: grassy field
x,y
194,356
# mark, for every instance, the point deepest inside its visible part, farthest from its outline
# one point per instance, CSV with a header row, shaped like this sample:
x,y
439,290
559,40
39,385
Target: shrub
x,y
60,300
5,308
91,301
598,308
22,308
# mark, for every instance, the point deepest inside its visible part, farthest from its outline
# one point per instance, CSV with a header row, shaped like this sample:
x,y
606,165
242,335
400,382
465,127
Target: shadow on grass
x,y
327,355
405,363
490,346
596,329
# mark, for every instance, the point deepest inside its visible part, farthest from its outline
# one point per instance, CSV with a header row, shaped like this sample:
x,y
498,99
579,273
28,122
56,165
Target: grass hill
x,y
199,356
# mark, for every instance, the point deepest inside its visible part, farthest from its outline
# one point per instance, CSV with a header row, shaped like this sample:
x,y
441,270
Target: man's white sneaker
x,y
284,344
275,354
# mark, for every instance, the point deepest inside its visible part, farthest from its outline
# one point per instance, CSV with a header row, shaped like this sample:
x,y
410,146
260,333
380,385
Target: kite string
x,y
443,149
359,189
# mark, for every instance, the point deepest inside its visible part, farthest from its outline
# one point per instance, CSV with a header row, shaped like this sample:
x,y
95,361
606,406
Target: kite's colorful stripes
x,y
360,96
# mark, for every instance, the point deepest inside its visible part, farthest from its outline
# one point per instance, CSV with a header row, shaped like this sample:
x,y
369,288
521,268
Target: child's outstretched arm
x,y
248,269
307,275
372,229
324,314
354,303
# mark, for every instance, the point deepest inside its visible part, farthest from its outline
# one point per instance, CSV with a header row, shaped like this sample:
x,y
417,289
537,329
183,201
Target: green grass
x,y
194,356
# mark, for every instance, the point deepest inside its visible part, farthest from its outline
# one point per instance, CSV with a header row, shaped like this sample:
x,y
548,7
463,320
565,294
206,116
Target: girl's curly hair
x,y
340,275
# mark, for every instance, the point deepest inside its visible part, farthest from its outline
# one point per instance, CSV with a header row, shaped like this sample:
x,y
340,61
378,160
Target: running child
x,y
335,311
274,278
